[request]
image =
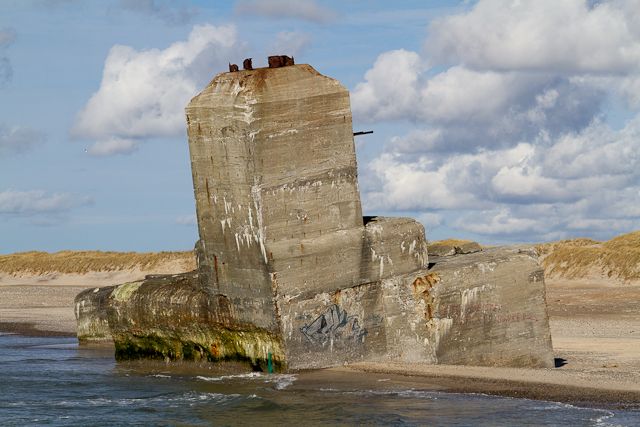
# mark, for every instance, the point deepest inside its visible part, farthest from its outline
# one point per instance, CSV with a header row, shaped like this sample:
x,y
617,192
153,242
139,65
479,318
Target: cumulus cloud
x,y
466,107
508,134
290,43
172,13
143,93
36,202
570,36
500,222
307,10
544,189
16,140
390,89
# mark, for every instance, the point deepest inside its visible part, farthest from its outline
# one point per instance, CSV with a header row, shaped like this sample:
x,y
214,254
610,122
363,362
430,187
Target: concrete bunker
x,y
290,274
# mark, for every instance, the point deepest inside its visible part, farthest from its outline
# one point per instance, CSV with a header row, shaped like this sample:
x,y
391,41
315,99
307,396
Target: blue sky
x,y
500,121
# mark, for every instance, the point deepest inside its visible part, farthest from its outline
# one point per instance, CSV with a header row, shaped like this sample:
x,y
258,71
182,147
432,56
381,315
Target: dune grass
x,y
450,242
579,258
89,261
617,258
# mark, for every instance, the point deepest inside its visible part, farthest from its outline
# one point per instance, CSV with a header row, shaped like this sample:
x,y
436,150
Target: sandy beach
x,y
43,304
595,331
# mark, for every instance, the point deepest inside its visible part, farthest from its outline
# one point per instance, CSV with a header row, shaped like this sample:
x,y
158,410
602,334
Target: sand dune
x,y
616,261
37,289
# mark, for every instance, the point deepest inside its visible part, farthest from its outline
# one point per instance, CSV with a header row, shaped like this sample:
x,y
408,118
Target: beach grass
x,y
617,258
449,242
579,258
79,262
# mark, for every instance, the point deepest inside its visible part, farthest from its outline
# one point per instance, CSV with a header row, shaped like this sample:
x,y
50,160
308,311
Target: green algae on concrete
x,y
204,344
124,292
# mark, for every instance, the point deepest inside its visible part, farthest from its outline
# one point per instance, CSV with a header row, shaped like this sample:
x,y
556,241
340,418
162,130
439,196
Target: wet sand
x,y
595,329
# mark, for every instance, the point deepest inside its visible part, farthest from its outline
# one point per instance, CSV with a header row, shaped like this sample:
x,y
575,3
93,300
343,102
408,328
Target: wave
x,y
281,381
190,397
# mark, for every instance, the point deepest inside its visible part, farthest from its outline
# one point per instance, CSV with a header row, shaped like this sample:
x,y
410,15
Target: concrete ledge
x,y
169,317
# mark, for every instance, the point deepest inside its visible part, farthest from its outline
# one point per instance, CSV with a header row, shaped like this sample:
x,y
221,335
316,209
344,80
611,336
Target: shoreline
x,y
594,326
556,385
507,386
30,329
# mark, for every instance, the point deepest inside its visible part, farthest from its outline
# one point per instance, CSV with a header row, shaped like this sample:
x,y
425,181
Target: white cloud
x,y
500,222
467,108
290,43
430,219
17,139
595,150
113,146
143,93
307,10
630,89
459,92
537,35
625,87
174,13
36,202
509,137
536,190
390,89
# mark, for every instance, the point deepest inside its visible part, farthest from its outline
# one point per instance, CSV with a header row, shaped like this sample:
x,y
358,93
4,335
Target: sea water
x,y
53,381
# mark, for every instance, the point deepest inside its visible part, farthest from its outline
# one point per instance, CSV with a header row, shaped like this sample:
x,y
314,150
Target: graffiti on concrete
x,y
333,324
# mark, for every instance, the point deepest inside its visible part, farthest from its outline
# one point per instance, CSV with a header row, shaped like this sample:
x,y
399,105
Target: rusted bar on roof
x,y
246,64
362,132
278,61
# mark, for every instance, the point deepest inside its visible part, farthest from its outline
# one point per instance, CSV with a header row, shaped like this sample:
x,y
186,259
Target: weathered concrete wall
x,y
91,314
170,317
274,167
490,309
289,270
333,316
279,213
485,309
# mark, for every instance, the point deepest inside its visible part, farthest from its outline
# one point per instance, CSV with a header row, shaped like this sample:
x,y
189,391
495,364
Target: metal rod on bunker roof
x,y
362,132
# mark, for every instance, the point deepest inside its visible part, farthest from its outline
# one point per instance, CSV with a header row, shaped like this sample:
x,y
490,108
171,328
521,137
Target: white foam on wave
x,y
546,406
228,377
178,399
281,381
602,419
284,380
410,393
